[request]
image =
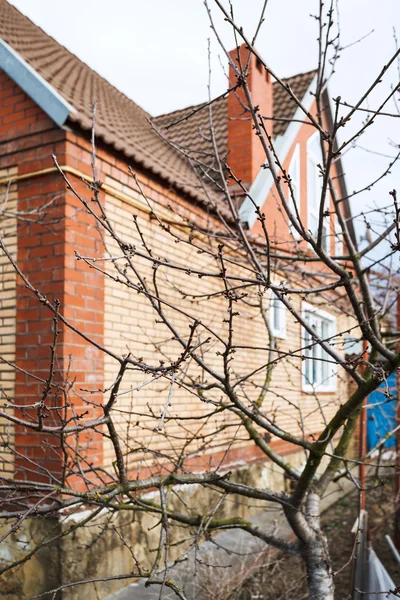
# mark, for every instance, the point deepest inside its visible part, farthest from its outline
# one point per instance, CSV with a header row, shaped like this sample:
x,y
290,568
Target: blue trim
x,y
33,84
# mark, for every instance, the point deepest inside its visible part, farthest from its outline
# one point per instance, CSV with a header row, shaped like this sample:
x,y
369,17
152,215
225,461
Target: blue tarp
x,y
381,414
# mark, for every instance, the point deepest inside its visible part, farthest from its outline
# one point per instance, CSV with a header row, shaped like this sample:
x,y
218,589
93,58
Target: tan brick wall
x,y
130,325
8,232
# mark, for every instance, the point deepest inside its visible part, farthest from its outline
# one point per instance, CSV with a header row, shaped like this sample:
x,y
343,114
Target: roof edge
x,y
34,85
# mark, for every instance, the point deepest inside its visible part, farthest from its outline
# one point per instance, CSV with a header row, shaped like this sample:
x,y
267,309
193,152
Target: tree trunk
x,y
319,572
316,555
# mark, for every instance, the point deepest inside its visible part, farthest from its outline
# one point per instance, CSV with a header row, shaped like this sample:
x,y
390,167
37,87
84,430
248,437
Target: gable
x,y
264,181
66,88
299,145
192,128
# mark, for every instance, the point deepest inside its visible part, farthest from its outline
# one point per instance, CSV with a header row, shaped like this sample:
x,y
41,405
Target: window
x,y
319,373
277,316
338,238
294,172
314,187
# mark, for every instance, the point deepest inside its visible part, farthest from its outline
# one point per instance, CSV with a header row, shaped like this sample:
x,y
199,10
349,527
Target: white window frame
x,y
294,166
326,371
277,312
315,182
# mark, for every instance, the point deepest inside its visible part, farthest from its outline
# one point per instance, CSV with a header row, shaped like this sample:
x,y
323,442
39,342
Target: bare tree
x,y
206,339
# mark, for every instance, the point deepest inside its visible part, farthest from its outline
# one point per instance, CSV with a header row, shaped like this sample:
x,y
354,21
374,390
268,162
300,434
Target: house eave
x,y
33,84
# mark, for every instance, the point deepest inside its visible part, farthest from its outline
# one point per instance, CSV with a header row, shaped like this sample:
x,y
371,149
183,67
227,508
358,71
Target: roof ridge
x,y
198,105
120,122
84,64
191,107
302,74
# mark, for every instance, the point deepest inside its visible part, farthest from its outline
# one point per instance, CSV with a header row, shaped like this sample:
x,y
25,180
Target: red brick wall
x,y
46,245
246,154
277,221
51,225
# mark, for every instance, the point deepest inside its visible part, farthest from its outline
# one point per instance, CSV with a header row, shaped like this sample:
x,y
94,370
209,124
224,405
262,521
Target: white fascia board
x,y
262,184
33,84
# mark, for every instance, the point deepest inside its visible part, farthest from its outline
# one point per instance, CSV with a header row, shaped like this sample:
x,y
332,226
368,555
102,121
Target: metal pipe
x,y
393,548
363,440
109,189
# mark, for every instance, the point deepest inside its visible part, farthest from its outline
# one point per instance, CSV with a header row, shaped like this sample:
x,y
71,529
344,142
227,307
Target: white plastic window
x,y
314,187
294,172
338,238
277,316
319,372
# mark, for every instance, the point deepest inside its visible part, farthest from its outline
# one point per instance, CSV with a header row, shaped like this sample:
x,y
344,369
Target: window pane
x,y
294,198
294,176
276,314
325,365
338,238
325,235
317,367
312,181
308,363
324,328
313,223
314,146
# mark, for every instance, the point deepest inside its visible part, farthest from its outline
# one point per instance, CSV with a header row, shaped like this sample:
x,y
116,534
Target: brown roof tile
x,y
122,123
194,132
284,105
119,121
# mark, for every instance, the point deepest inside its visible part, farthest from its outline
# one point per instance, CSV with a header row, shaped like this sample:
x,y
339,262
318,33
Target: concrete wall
x,y
95,550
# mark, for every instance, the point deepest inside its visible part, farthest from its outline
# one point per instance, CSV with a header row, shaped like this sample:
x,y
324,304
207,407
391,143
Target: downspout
x,y
363,440
397,475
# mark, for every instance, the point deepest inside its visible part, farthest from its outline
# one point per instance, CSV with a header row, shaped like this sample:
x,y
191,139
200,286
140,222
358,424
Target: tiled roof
x,y
284,105
122,123
193,134
119,121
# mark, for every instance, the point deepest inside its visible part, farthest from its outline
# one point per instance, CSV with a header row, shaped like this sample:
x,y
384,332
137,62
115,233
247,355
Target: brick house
x,y
46,96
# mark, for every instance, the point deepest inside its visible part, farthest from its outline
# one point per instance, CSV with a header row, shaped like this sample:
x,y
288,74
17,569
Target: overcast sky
x,y
156,52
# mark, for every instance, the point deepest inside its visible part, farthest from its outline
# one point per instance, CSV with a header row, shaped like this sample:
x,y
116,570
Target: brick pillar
x,y
246,154
51,225
40,257
46,250
83,305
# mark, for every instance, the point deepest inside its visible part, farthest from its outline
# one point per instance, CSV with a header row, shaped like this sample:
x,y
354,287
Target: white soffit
x,y
262,184
33,84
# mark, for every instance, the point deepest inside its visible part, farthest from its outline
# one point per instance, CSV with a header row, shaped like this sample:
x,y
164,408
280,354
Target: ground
x,y
283,578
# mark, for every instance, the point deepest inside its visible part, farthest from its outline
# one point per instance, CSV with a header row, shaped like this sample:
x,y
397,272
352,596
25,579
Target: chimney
x,y
246,154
